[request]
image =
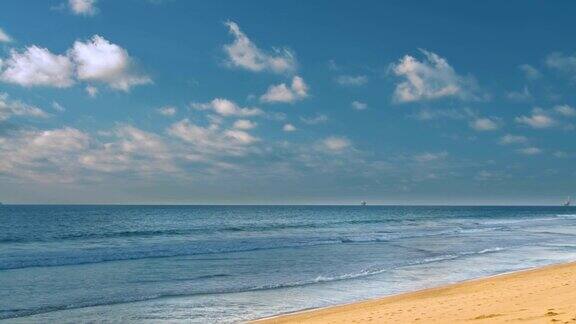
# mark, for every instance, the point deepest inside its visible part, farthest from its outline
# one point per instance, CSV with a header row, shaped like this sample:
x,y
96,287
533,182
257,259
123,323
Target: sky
x,y
292,102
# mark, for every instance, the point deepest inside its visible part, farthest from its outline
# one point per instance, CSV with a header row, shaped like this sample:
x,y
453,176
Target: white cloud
x,y
529,150
4,37
509,139
167,111
336,144
240,137
68,154
530,72
289,128
225,107
244,124
298,90
83,7
332,65
484,175
429,157
563,63
431,114
91,91
565,110
130,149
431,78
211,140
43,156
318,119
520,96
538,119
58,107
37,66
10,108
560,154
352,80
475,121
244,54
358,105
98,60
484,124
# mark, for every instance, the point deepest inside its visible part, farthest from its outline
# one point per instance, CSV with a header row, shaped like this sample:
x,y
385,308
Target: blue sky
x,y
407,102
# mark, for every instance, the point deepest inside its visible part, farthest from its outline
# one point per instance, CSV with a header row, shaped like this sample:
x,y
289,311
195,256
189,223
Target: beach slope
x,y
543,295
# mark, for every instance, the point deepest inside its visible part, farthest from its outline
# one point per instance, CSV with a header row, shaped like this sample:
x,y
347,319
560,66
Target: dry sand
x,y
543,295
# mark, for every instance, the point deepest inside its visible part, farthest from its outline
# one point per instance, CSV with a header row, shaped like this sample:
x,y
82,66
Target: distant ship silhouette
x,y
567,202
363,203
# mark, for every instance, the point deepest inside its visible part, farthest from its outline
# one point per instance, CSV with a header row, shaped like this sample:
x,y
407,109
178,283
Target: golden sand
x,y
543,295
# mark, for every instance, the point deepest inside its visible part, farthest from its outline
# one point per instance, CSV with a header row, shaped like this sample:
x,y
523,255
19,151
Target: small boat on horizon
x,y
567,202
363,203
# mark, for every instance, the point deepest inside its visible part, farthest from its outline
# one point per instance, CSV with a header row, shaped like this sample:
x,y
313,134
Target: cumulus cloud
x,y
130,149
563,63
91,91
510,139
547,118
475,120
352,80
98,60
538,119
431,114
298,90
48,155
431,78
565,110
429,157
336,143
530,72
529,150
520,96
225,107
4,37
212,139
83,7
288,128
58,107
485,175
484,124
314,120
68,154
36,66
244,124
9,107
167,111
243,53
560,154
240,136
358,105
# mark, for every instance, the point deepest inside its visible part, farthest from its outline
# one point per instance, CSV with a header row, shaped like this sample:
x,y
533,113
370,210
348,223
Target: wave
x,y
17,313
241,228
151,233
570,216
195,248
205,277
198,230
92,256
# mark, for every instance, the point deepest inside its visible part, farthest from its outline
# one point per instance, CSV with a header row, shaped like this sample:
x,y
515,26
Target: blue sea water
x,y
218,264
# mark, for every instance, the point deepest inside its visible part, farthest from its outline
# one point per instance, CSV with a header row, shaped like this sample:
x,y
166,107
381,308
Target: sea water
x,y
218,264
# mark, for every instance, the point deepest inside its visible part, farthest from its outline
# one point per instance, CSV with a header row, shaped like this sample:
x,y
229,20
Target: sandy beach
x,y
542,295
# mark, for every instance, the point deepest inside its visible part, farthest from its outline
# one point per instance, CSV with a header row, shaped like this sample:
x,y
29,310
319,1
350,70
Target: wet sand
x,y
542,295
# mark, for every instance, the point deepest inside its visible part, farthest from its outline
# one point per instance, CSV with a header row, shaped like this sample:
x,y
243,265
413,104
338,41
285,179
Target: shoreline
x,y
547,293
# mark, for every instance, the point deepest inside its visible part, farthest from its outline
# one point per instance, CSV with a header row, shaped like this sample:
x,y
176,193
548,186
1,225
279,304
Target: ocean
x,y
220,264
